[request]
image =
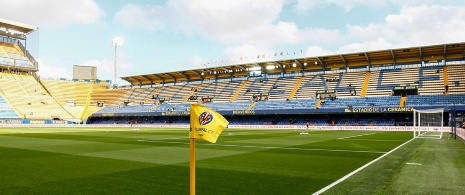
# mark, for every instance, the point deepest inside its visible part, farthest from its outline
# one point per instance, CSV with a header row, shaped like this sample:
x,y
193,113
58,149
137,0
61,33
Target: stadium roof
x,y
14,29
389,57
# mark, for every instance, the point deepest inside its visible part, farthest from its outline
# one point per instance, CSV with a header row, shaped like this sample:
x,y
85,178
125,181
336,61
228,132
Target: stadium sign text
x,y
380,109
244,112
175,113
405,87
11,122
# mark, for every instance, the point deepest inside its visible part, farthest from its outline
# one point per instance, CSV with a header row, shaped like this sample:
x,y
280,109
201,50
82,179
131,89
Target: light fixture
x,y
116,42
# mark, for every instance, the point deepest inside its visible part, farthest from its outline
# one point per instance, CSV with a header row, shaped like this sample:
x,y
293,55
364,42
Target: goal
x,y
428,123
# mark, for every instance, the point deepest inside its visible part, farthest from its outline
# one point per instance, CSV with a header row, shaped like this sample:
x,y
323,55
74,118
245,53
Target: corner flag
x,y
206,123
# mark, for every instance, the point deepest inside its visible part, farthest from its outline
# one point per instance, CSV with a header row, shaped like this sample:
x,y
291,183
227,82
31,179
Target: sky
x,y
174,35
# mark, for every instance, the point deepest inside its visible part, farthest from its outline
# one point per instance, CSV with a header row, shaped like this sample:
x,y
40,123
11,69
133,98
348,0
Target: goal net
x,y
428,123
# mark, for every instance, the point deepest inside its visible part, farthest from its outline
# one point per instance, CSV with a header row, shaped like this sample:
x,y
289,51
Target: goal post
x,y
428,123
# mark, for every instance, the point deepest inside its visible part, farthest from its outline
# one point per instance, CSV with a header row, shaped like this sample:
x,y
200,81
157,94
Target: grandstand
x,y
27,97
337,90
365,88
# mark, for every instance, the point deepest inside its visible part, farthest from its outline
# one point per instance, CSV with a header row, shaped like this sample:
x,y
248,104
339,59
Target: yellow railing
x,y
402,101
318,104
190,94
296,87
365,84
446,79
87,102
238,91
251,105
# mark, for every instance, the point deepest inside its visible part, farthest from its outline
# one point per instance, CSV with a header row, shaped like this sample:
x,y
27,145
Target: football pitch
x,y
243,161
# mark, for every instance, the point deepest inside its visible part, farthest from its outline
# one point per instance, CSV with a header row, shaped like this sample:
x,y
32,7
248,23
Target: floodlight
x,y
116,42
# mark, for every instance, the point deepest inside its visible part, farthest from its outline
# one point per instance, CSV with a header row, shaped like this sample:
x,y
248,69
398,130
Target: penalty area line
x,y
356,136
359,169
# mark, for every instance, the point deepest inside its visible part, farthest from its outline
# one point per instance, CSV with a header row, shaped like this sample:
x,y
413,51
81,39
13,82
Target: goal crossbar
x,y
428,123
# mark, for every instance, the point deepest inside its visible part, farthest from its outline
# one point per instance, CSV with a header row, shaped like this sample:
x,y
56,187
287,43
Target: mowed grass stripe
x,y
296,171
315,170
163,167
441,171
22,168
263,147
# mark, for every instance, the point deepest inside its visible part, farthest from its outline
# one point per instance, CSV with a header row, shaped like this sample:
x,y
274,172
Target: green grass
x,y
156,161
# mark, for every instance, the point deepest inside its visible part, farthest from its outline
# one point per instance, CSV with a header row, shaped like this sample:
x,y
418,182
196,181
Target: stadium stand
x,y
310,85
29,98
11,54
6,111
79,97
346,85
279,105
436,100
456,78
345,89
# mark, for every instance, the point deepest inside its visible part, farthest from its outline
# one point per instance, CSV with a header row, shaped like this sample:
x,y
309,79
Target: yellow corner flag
x,y
206,123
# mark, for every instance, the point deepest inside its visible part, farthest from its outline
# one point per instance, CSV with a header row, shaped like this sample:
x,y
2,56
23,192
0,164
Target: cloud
x,y
347,5
371,45
421,25
52,13
141,16
47,71
253,22
197,60
313,51
245,50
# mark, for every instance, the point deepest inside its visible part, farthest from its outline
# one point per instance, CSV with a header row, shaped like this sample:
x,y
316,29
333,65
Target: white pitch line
x,y
376,140
236,134
271,147
359,169
356,136
413,163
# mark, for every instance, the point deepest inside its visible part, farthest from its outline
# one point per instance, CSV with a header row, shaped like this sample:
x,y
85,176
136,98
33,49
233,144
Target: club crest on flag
x,y
205,118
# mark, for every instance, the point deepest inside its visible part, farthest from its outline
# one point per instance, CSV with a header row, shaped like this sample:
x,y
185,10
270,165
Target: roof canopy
x,y
390,57
14,29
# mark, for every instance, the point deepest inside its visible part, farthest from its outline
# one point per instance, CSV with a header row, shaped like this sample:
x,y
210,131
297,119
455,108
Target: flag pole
x,y
192,166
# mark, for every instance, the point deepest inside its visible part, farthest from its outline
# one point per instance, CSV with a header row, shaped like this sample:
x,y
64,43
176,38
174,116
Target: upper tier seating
x,y
380,101
310,85
12,55
29,98
74,94
456,79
